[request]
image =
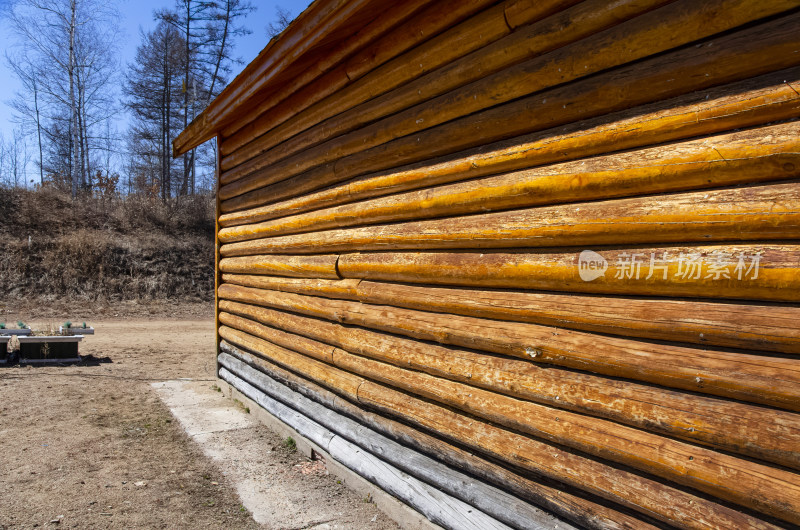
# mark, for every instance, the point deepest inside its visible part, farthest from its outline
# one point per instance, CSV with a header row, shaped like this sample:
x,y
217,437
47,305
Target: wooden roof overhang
x,y
327,32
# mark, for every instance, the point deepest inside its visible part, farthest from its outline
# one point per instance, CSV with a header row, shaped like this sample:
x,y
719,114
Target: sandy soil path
x,y
94,447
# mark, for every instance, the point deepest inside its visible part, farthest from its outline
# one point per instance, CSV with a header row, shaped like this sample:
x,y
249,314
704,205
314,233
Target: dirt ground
x,y
92,446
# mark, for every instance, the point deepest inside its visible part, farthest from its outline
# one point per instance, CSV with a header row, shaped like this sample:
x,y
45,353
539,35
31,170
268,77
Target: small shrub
x,y
290,444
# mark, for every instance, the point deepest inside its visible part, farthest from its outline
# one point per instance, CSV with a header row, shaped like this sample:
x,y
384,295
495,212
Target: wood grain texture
x,y
490,501
760,155
749,103
660,30
691,271
474,63
320,266
759,379
636,491
750,326
585,512
756,213
422,26
427,499
753,431
759,50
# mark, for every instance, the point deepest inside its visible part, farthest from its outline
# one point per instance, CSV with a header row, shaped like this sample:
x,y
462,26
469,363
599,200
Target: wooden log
x,y
633,490
437,506
769,490
266,69
497,504
585,512
745,104
754,271
344,289
471,34
761,155
767,328
755,213
758,327
759,50
758,379
496,53
420,27
657,31
753,431
320,266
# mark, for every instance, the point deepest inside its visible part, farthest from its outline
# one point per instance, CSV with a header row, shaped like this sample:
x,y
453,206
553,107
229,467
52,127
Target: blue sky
x,y
136,14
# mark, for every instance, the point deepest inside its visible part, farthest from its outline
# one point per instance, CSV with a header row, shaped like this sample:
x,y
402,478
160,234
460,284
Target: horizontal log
x,y
343,289
759,50
266,70
745,429
560,29
426,498
497,504
754,378
294,266
747,326
761,155
758,327
632,490
756,213
745,104
657,31
431,21
763,488
755,271
584,512
481,29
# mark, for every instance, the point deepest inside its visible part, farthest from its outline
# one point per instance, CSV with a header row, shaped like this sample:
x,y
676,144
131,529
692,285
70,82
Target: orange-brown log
x,y
471,34
755,271
310,28
767,489
754,431
422,26
770,490
771,381
344,289
585,19
761,155
321,266
759,50
758,327
749,103
633,490
581,511
657,31
756,213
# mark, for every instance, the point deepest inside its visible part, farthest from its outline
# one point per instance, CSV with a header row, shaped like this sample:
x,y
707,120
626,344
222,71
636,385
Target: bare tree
x,y
153,96
208,28
283,17
70,45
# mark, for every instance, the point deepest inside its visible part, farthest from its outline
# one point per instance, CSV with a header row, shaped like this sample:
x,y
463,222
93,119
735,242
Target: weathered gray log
x,y
584,512
436,505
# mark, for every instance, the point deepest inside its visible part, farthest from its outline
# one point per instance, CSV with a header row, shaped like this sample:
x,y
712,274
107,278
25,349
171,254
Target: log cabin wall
x,y
551,245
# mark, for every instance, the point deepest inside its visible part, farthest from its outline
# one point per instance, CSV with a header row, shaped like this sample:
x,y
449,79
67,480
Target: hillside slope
x,y
112,249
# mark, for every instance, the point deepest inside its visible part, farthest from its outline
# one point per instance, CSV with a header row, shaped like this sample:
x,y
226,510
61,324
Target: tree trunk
x,y
75,146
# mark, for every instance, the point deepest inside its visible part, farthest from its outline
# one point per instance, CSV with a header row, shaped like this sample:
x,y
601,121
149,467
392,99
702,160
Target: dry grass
x,y
52,247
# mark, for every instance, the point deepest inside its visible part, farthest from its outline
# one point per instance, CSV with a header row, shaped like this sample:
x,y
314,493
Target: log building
x,y
524,264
